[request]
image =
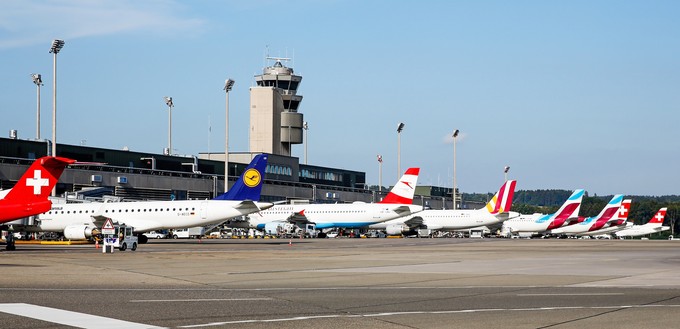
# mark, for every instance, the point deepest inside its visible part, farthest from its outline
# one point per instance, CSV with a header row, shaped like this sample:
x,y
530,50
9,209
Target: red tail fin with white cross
x,y
29,196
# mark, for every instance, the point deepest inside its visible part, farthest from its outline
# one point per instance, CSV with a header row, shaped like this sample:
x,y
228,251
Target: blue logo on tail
x,y
249,185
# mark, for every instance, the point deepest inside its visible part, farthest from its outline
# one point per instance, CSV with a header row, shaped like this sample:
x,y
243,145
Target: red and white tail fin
x,y
29,195
405,189
502,201
624,210
657,220
39,180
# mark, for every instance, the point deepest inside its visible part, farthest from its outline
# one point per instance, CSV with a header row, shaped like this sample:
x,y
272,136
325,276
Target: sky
x,y
569,94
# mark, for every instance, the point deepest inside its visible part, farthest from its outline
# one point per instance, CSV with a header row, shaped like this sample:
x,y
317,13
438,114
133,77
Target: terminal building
x,y
275,126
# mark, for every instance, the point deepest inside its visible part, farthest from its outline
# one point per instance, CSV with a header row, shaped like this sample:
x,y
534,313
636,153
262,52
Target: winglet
x,y
502,201
405,189
249,185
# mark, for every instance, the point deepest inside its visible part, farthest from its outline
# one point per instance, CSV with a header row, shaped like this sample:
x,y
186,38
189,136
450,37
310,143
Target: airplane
x,y
397,203
653,226
608,213
619,224
83,220
529,225
496,211
29,196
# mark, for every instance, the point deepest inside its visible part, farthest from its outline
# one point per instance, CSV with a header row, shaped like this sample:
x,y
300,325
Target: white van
x,y
188,233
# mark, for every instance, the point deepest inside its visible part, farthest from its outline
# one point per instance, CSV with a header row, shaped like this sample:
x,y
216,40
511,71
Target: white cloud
x,y
29,22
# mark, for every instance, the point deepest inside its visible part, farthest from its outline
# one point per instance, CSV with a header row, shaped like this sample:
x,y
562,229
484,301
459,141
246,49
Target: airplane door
x,y
204,209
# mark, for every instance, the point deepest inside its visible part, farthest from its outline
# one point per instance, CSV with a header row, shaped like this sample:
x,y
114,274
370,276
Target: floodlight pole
x,y
54,49
37,79
400,127
305,126
228,84
505,170
168,101
380,160
453,194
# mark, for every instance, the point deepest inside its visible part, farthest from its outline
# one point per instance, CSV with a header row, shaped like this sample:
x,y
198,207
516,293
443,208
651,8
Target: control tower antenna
x,y
278,59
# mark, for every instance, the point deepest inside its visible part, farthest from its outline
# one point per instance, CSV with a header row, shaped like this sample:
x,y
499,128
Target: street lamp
x,y
505,170
400,127
453,194
305,126
228,84
54,49
37,79
168,101
379,173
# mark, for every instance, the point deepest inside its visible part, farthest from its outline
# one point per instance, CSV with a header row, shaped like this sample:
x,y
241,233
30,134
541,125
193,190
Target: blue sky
x,y
569,94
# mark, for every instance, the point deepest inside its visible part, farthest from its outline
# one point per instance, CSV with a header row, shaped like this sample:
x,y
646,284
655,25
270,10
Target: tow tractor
x,y
123,238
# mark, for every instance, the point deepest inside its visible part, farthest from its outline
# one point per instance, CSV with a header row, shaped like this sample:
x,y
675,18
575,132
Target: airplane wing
x,y
250,207
506,215
298,218
402,210
415,222
98,217
247,205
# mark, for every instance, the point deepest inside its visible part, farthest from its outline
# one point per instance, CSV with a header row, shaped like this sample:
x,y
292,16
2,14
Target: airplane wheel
x,y
134,246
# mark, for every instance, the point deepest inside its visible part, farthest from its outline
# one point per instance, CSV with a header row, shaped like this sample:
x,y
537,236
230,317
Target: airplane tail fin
x,y
622,215
405,189
502,201
657,220
37,182
571,207
568,212
249,185
611,209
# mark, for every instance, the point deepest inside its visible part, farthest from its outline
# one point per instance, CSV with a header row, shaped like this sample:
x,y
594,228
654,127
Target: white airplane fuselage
x,y
144,216
349,215
609,229
528,223
448,220
640,230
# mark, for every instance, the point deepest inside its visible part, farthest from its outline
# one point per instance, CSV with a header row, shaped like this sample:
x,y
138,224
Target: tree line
x,y
548,201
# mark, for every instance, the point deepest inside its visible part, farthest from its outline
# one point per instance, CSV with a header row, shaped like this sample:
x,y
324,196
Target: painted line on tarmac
x,y
584,294
373,315
69,318
199,300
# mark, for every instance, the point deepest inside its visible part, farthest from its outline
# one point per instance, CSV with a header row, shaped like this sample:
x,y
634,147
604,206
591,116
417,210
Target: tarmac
x,y
337,283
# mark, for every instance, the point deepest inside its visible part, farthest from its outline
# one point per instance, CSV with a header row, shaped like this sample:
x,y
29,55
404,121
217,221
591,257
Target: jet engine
x,y
396,229
80,232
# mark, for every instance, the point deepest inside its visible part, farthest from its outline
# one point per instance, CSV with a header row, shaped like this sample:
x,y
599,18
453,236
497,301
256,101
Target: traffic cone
x,y
96,244
290,242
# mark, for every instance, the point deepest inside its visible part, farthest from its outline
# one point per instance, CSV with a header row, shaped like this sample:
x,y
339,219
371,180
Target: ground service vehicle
x,y
125,238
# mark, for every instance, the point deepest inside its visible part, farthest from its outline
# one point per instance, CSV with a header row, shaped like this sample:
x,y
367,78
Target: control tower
x,y
275,124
